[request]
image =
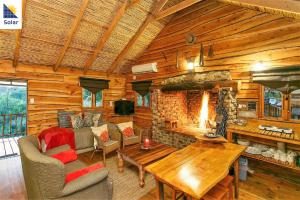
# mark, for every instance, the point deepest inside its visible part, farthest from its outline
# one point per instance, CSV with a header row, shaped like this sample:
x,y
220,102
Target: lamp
x,y
259,66
190,63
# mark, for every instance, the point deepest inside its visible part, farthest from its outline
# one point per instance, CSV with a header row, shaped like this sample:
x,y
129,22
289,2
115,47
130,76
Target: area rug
x,y
126,184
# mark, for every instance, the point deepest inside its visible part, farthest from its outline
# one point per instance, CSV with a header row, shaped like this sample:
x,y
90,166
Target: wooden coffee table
x,y
141,158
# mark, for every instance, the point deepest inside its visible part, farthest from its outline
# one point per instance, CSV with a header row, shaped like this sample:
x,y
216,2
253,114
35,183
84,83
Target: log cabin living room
x,y
150,99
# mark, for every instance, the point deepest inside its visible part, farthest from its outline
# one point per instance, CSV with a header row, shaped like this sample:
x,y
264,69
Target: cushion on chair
x,y
131,140
63,118
76,121
91,119
126,128
101,132
66,156
74,175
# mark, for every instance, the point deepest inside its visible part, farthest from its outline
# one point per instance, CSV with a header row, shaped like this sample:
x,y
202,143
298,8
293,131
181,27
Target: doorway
x,y
13,115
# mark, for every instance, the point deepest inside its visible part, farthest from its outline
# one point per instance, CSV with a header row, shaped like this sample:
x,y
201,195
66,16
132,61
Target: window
x,y
143,101
99,99
272,103
295,105
90,100
87,98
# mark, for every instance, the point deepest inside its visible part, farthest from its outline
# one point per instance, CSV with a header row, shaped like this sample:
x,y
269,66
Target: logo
x,y
9,11
11,14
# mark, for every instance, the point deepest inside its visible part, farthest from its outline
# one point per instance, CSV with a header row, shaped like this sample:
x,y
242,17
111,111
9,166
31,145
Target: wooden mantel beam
x,y
100,45
180,6
18,37
286,8
158,6
71,33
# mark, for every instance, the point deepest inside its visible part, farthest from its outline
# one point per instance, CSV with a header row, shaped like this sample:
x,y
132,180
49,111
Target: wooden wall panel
x,y
58,91
239,36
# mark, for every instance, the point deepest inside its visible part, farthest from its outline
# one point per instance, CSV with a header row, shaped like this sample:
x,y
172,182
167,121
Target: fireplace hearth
x,y
192,110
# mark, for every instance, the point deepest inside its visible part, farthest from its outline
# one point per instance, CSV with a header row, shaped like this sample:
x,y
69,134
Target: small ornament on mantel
x,y
211,51
177,59
201,56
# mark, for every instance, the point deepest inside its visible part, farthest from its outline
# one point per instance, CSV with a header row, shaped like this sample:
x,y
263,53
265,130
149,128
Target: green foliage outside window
x,y
99,99
147,100
87,98
143,101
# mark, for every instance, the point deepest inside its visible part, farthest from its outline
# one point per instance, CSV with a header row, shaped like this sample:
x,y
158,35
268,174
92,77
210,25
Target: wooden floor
x,y
9,147
264,185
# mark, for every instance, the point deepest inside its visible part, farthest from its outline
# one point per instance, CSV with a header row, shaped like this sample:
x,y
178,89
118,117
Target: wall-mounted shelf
x,y
271,160
256,132
252,130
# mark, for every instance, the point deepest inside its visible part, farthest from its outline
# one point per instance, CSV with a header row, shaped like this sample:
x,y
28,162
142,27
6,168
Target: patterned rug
x,y
126,184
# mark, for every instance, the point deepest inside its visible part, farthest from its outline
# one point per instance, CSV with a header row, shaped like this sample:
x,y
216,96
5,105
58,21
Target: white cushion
x,y
124,125
97,131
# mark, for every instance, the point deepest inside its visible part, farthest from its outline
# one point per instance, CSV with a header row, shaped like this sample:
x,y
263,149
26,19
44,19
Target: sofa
x,y
45,176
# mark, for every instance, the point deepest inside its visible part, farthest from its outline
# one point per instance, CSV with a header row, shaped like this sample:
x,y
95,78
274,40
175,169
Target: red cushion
x,y
66,156
74,175
104,136
128,132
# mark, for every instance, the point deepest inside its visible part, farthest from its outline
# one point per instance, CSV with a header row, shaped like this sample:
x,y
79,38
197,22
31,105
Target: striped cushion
x,y
63,118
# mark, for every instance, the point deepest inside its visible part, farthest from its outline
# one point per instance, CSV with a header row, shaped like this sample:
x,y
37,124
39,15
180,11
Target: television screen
x,y
124,107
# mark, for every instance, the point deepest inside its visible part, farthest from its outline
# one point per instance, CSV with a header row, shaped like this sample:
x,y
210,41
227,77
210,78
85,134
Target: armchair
x,y
45,176
110,146
136,139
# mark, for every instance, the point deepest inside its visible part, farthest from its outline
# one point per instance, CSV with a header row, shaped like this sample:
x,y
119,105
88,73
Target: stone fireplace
x,y
185,106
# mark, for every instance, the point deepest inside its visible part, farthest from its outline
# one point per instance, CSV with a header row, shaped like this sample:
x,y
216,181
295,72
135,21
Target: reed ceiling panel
x,y
125,30
46,24
7,45
36,52
70,7
102,63
171,3
104,60
101,11
75,58
87,36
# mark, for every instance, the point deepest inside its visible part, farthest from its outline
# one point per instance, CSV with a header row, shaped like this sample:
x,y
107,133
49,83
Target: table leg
x,y
236,178
120,163
141,176
159,190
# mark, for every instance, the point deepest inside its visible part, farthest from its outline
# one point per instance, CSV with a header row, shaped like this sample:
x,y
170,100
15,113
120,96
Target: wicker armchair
x,y
110,146
136,139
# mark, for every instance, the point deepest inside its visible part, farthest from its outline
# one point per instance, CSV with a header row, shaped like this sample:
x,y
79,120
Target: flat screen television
x,y
124,107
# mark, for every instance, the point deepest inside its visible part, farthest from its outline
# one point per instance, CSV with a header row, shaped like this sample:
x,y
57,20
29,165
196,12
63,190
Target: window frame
x,y
93,100
285,112
290,109
143,99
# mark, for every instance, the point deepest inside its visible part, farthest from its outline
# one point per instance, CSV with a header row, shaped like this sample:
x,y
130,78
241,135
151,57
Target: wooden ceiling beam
x,y
158,6
286,8
176,8
100,45
18,37
71,33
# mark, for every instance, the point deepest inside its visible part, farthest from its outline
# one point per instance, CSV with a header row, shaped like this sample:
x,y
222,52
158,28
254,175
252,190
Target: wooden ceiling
x,y
100,35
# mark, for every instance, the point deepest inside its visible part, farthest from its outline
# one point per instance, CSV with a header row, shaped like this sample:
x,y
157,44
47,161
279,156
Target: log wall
x,y
240,37
59,91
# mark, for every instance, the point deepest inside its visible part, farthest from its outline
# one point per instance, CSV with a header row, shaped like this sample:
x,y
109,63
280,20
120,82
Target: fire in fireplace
x,y
203,118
